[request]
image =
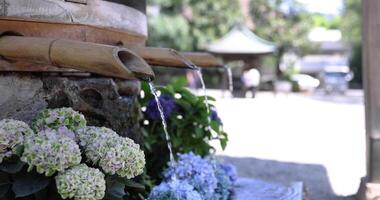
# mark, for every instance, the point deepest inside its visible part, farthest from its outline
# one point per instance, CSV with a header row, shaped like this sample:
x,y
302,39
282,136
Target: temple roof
x,y
240,40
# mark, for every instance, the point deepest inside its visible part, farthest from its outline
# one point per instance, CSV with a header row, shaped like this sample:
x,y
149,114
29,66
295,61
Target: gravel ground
x,y
316,139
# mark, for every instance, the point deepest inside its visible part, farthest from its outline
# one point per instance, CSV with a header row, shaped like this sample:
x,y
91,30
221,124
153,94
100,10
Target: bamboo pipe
x,y
90,57
172,58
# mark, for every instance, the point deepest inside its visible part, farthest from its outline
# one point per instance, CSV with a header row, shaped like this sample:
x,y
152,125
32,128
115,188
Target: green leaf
x,y
5,184
180,82
4,178
19,150
115,189
4,189
131,184
198,133
12,166
28,183
223,143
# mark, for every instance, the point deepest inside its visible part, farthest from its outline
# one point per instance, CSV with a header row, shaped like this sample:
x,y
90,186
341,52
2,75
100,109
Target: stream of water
x,y
230,81
200,76
192,66
164,125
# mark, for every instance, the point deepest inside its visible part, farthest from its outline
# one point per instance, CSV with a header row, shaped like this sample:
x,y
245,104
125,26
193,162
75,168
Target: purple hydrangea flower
x,y
215,117
230,171
168,105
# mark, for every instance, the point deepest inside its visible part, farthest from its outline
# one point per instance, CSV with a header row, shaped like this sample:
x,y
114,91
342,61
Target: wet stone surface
x,y
103,101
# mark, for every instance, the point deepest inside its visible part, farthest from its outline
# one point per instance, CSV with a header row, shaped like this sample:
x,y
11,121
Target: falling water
x,y
230,81
164,125
200,76
191,65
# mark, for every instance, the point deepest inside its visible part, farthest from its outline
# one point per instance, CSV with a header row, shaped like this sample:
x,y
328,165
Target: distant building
x,y
332,51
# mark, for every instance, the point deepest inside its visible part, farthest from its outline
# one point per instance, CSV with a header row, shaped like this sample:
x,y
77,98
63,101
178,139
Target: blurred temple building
x,y
331,52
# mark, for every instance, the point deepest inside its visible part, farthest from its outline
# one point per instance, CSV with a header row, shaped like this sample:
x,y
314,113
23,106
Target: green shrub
x,y
187,126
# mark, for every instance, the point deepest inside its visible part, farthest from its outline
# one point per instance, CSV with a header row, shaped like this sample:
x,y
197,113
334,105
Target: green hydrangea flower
x,y
81,183
50,152
56,118
113,153
12,136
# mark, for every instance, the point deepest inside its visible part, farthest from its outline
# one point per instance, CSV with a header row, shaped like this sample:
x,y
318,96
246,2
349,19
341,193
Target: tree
x,y
191,24
351,26
351,21
284,22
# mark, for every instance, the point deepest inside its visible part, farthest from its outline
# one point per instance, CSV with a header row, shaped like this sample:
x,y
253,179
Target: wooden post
x,y
370,189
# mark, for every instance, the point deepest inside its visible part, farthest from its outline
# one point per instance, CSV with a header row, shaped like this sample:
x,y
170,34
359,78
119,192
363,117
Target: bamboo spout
x,y
172,58
90,57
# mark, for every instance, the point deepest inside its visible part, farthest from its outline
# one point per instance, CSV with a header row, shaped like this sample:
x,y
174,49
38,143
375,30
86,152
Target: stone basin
x,y
255,189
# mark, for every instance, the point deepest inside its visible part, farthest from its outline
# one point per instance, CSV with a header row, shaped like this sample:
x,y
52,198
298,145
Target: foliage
x,y
356,64
207,177
191,24
288,74
352,21
351,26
320,20
34,160
187,126
288,28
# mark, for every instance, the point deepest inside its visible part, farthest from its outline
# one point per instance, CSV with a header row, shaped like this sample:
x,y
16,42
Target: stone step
x,y
254,189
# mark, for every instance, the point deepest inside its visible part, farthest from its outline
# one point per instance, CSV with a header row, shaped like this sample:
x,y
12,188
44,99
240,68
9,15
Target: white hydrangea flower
x,y
56,118
113,153
50,152
12,136
81,183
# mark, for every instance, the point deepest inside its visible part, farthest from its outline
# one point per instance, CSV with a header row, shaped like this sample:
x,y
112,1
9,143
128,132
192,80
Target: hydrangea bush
x,y
207,176
114,154
197,171
226,177
57,118
50,152
81,183
12,134
30,159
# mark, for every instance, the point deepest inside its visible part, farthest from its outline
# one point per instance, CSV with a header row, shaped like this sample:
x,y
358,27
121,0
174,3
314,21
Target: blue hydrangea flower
x,y
230,170
174,190
196,171
225,185
215,117
168,105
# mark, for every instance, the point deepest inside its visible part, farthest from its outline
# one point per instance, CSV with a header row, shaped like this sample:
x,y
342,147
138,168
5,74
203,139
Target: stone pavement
x,y
315,139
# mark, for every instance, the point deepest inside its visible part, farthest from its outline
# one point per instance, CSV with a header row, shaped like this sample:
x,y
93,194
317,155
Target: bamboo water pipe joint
x,y
101,59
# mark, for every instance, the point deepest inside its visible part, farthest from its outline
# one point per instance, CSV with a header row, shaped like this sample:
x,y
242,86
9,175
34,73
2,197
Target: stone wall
x,y
103,101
